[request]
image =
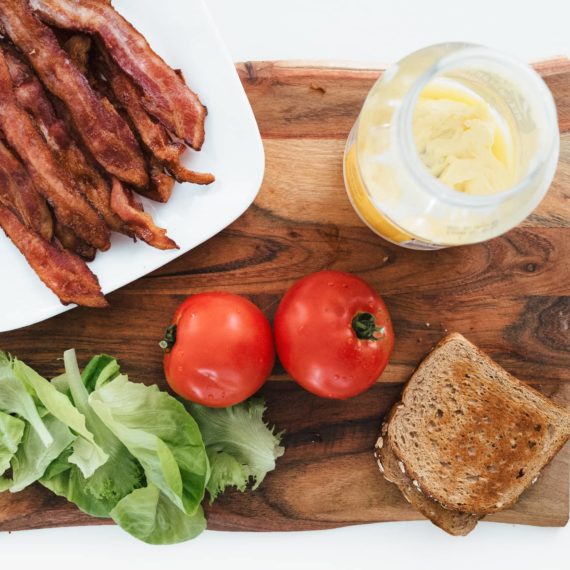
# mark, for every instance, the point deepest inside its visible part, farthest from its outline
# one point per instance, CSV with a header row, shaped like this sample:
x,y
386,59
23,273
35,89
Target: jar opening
x,y
462,63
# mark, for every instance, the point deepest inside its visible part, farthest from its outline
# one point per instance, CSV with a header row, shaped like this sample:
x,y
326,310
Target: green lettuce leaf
x,y
100,370
65,480
161,434
98,493
38,440
124,450
104,483
11,434
15,399
227,471
240,446
87,454
33,457
152,517
154,479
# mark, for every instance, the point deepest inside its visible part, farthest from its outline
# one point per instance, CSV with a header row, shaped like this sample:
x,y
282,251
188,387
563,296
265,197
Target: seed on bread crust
x,y
380,466
455,523
402,467
380,443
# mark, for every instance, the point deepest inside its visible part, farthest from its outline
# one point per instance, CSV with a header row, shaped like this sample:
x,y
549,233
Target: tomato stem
x,y
169,339
364,326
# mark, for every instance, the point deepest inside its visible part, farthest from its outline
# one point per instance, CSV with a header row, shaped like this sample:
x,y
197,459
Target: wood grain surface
x,y
510,296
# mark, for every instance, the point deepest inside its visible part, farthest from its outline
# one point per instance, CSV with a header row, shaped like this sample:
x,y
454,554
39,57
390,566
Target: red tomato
x,y
219,350
333,334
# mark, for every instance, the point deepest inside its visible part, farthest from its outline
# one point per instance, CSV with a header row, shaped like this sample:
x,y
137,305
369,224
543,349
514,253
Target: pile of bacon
x,y
89,114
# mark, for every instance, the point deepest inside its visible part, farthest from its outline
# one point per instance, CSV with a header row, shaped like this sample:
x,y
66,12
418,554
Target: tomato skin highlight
x,y
223,352
316,341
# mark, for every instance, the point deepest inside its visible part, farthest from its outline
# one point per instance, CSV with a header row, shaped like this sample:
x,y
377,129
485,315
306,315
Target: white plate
x,y
182,32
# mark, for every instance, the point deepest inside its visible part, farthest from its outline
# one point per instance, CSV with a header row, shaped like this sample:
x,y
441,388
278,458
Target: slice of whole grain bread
x,y
473,436
453,522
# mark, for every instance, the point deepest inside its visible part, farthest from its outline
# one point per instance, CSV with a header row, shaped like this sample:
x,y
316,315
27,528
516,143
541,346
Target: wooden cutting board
x,y
510,296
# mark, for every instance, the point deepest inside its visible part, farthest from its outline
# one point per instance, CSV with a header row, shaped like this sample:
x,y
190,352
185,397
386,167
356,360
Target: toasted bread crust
x,y
453,522
493,486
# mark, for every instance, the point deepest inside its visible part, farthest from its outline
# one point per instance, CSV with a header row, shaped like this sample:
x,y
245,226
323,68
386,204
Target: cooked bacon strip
x,y
131,211
152,134
166,96
64,273
102,130
18,193
48,177
161,184
33,98
74,244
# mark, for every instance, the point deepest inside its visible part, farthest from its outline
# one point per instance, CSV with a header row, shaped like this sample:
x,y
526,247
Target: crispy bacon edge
x,y
131,211
152,134
160,184
103,131
166,96
64,273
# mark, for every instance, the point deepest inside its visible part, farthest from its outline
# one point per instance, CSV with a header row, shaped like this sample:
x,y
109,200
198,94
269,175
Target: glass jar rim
x,y
405,113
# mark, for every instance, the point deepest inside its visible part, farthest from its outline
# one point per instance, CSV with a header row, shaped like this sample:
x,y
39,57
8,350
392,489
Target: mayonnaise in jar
x,y
455,144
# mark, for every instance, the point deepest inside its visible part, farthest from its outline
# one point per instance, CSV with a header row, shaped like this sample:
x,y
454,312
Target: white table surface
x,y
357,30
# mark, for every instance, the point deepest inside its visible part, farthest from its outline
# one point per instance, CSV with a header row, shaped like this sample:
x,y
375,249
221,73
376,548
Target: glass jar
x,y
391,188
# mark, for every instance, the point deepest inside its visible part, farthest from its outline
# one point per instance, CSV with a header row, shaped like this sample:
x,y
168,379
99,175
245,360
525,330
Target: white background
x,y
358,30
